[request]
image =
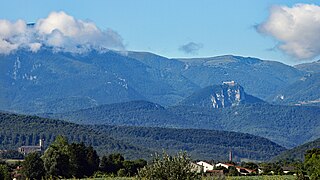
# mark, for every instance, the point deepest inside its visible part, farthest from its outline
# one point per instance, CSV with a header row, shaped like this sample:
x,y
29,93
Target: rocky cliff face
x,y
220,96
230,94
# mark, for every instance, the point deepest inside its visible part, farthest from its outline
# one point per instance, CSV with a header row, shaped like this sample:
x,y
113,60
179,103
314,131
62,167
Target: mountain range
x,y
49,81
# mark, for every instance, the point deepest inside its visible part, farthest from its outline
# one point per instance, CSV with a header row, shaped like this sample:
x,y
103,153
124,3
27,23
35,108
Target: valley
x,y
159,90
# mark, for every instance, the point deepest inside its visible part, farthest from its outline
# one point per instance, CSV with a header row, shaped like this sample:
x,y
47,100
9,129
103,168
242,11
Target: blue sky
x,y
163,27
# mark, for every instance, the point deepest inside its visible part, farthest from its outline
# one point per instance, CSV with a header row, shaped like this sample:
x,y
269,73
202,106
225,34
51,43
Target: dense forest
x,y
135,142
288,126
200,144
297,153
17,130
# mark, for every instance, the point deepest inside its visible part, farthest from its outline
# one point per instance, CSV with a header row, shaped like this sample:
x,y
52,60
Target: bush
x,y
169,168
4,172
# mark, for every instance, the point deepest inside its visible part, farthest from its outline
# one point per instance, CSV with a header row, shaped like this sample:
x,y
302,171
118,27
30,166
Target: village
x,y
235,169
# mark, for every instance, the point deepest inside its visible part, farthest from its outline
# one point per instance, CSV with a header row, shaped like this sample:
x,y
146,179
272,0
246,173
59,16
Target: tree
x,y
84,161
312,163
268,168
56,158
78,160
33,166
112,163
131,167
4,172
169,168
232,171
93,161
299,170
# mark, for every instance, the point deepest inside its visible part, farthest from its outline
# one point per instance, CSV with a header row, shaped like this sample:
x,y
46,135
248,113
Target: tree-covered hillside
x,y
288,126
199,143
135,142
298,153
17,130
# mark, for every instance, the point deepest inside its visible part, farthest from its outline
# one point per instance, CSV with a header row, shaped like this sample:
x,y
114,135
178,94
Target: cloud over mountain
x,y
297,29
59,31
191,48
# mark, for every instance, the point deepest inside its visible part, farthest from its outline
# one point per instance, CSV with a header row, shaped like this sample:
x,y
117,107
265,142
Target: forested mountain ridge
x,y
288,126
298,152
55,82
17,130
135,142
199,143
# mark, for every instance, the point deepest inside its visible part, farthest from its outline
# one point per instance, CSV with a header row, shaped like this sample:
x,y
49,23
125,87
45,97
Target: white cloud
x,y
11,35
60,31
297,28
34,47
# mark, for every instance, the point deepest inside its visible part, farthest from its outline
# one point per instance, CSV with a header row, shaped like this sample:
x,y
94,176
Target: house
x,y
25,150
244,171
205,166
241,170
226,165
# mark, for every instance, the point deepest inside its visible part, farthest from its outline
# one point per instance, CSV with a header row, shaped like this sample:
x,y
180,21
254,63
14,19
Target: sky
x,y
284,31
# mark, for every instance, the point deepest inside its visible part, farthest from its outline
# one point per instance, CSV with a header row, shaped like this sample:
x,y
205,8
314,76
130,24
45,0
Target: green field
x,y
289,177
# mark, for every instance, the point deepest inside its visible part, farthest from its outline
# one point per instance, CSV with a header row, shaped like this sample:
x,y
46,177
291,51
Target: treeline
x,y
76,160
